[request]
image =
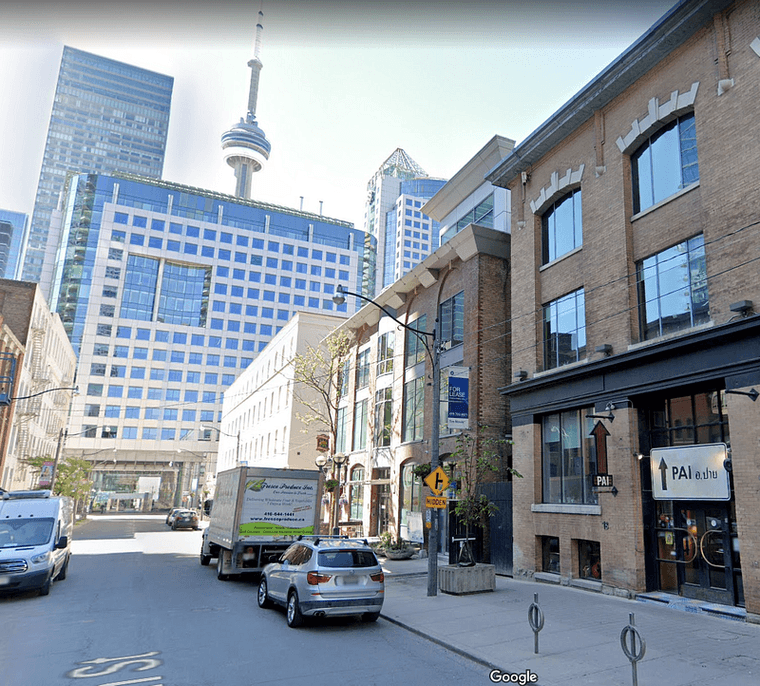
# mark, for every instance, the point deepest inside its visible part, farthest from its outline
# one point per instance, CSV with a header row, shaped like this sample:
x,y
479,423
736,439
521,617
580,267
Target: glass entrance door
x,y
697,551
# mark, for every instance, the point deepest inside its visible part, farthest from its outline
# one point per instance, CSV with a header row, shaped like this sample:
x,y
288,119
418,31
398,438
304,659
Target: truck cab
x,y
35,540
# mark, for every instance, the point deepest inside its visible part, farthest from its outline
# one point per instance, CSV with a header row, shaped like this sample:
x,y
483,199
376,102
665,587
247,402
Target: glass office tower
x,y
106,116
13,227
168,292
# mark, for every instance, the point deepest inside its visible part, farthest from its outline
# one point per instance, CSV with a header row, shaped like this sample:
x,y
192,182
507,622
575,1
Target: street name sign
x,y
437,481
690,472
433,501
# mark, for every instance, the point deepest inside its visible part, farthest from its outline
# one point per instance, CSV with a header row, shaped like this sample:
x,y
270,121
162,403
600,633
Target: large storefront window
x,y
569,458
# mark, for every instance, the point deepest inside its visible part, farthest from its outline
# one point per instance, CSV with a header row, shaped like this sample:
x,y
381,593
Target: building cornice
x,y
631,371
668,34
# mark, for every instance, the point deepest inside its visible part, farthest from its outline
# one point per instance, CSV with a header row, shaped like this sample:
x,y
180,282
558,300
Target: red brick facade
x,y
712,71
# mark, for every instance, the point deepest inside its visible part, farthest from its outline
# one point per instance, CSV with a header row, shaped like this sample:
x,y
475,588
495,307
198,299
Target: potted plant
x,y
395,549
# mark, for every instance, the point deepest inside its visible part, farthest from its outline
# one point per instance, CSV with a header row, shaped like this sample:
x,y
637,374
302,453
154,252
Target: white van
x,y
35,539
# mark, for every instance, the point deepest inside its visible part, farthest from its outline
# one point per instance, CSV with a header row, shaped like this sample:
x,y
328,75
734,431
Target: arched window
x,y
562,227
356,495
665,163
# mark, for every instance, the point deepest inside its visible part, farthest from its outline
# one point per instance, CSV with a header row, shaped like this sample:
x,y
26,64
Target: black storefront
x,y
677,388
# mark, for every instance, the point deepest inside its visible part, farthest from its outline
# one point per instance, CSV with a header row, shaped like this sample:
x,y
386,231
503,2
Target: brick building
x,y
635,235
386,401
44,360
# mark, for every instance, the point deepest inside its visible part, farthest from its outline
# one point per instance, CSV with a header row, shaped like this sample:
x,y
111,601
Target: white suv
x,y
324,576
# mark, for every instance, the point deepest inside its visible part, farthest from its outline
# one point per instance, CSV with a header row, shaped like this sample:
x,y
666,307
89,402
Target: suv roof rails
x,y
18,495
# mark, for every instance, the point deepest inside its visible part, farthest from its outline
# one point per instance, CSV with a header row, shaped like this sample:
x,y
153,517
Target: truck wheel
x,y
45,588
62,574
262,595
205,559
220,566
293,612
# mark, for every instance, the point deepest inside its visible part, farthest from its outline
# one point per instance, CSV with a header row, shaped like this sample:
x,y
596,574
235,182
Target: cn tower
x,y
246,148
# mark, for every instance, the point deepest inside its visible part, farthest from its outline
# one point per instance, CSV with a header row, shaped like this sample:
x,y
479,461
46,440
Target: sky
x,y
344,83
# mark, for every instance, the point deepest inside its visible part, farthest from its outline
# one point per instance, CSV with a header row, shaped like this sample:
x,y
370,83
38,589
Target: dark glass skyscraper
x,y
107,116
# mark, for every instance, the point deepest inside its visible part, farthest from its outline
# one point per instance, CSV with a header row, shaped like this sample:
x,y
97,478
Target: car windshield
x,y
347,558
22,532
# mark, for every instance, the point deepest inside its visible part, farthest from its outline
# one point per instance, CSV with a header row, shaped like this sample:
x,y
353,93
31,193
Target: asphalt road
x,y
138,608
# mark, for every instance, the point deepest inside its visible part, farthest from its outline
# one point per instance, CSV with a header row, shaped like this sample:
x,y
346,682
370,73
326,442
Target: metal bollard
x,y
536,621
633,652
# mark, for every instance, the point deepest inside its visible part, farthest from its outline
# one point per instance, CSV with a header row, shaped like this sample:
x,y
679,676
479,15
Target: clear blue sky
x,y
343,85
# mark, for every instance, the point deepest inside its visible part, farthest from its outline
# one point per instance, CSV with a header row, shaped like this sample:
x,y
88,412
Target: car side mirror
x,y
63,543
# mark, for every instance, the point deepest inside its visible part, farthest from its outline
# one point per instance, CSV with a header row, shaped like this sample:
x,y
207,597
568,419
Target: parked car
x,y
185,519
324,577
172,512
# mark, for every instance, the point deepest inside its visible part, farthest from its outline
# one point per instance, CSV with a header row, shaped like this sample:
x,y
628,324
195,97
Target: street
x,y
138,608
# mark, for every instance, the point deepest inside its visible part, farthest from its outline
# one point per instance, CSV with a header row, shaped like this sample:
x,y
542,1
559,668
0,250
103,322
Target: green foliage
x,y
422,470
387,542
72,476
475,457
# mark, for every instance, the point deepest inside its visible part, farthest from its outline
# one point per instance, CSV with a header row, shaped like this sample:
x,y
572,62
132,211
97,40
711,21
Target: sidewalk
x,y
580,641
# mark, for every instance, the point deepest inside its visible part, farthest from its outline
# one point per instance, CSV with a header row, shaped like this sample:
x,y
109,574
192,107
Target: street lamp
x,y
326,464
434,353
237,436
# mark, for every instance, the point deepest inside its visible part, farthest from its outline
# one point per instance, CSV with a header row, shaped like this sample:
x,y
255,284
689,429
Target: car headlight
x,y
41,559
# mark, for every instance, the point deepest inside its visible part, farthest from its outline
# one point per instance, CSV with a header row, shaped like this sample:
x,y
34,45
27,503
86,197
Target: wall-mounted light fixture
x,y
521,375
742,307
752,394
605,349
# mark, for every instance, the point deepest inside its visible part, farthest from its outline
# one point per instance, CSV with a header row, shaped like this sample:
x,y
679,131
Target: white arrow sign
x,y
690,472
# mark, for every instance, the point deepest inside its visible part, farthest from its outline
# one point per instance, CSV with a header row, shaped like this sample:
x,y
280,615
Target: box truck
x,y
35,539
257,513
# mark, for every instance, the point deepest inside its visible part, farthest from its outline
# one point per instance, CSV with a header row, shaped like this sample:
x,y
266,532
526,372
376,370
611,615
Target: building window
x,y
673,289
360,425
565,330
550,554
415,344
139,288
568,457
362,369
343,374
451,316
385,345
356,494
688,419
414,403
589,560
665,163
383,416
341,442
562,227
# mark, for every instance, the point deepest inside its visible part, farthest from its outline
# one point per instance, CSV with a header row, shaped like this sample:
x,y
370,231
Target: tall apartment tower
x,y
13,228
107,116
404,236
246,148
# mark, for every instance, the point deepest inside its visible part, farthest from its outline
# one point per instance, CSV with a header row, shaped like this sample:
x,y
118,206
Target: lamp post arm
x,y
48,390
420,334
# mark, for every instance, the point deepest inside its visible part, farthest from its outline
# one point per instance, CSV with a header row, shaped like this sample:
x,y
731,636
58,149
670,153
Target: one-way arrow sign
x,y
663,474
600,433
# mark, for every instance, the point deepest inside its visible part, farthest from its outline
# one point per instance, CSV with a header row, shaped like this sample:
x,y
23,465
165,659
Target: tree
x,y
476,457
72,476
321,377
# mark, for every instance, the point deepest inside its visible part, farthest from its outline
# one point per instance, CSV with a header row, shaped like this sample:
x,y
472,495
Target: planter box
x,y
461,580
